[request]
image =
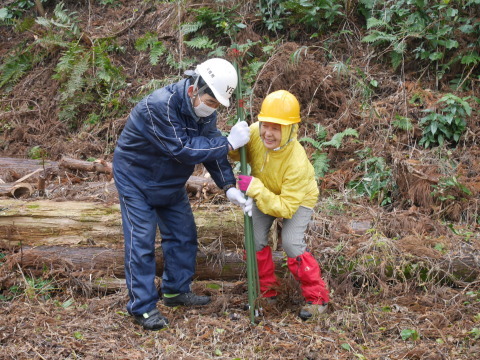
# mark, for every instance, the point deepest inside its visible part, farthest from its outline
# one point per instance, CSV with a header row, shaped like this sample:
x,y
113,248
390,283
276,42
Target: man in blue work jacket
x,y
166,135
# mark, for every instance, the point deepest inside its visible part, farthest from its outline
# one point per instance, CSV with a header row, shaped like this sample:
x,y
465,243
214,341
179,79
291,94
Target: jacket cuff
x,y
228,186
254,188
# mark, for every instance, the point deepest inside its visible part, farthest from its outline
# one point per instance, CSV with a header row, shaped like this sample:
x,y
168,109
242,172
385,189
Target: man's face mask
x,y
203,110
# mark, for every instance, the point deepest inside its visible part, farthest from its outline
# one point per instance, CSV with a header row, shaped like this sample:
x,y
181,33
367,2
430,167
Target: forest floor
x,y
397,291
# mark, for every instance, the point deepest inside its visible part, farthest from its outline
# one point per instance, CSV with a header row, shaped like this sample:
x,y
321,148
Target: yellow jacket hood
x,y
284,178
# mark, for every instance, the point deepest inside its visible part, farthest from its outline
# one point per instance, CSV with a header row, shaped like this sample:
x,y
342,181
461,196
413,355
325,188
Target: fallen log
x,y
73,223
13,169
96,262
98,166
16,190
76,224
68,173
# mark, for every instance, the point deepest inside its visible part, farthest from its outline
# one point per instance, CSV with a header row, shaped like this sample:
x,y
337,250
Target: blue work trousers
x,y
140,218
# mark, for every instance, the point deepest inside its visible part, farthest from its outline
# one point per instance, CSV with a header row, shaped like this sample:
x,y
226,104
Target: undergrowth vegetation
x,y
389,107
433,41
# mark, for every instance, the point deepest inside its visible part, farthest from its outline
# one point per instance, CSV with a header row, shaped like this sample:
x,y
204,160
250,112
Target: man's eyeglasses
x,y
208,100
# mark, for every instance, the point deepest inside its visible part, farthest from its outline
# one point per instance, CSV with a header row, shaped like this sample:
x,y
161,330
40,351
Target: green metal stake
x,y
252,269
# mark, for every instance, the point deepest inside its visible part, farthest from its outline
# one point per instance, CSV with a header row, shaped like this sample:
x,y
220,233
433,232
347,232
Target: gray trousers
x,y
293,230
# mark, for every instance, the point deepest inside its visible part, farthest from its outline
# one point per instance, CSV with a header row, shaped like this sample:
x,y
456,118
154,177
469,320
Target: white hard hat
x,y
221,78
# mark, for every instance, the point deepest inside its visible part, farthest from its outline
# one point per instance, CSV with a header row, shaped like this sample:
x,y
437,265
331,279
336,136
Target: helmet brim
x,y
278,121
222,100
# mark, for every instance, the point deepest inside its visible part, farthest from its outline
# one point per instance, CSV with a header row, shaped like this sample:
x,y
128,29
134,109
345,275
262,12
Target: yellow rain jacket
x,y
284,178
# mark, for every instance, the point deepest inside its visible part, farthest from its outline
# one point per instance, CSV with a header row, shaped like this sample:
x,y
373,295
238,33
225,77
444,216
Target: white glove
x,y
236,197
247,209
239,135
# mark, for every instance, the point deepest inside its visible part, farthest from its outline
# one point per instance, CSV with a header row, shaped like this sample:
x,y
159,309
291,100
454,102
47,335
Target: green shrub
x,y
377,180
312,15
447,123
425,32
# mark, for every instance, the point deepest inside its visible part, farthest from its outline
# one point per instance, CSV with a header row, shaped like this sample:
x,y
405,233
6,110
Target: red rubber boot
x,y
266,273
306,270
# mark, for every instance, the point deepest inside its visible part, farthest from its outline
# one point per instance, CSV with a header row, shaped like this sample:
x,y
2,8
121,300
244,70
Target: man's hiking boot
x,y
152,320
186,299
311,310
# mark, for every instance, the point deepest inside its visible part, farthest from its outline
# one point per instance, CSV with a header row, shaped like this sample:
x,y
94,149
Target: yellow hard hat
x,y
280,107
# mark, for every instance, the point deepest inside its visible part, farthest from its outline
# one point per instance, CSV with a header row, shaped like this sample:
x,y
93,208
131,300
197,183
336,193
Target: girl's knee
x,y
294,249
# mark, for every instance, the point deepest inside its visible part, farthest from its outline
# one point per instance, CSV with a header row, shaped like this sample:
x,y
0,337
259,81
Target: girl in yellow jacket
x,y
282,185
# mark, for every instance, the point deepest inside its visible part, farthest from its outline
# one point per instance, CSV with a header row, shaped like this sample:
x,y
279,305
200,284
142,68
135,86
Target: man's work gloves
x,y
238,198
244,182
239,135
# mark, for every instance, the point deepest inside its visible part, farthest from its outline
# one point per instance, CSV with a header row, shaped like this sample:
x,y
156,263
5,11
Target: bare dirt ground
x,y
406,287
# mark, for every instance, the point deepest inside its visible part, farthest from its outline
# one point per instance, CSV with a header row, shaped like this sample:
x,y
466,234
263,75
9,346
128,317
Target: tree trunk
x,y
12,169
16,190
73,223
99,166
96,262
67,226
71,172
212,263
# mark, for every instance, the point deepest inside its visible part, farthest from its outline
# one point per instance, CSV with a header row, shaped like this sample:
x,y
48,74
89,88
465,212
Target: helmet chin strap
x,y
288,141
195,86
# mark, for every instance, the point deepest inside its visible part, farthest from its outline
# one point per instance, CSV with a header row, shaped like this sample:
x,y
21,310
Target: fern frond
x,y
109,74
320,132
14,68
156,51
219,51
145,41
184,64
350,132
76,81
66,63
379,36
44,22
402,123
150,41
396,59
67,20
201,42
189,28
255,66
373,23
314,143
62,19
320,163
336,140
53,39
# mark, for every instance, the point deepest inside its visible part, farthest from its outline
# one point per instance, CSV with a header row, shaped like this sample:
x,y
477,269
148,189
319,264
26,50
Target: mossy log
x,y
86,228
74,223
98,262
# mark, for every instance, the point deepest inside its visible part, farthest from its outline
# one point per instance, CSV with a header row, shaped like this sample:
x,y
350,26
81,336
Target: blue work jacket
x,y
162,141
